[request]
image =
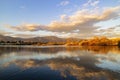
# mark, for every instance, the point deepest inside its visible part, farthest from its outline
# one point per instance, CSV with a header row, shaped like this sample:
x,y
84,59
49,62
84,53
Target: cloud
x,y
91,3
24,35
111,32
64,3
95,3
28,27
5,33
83,21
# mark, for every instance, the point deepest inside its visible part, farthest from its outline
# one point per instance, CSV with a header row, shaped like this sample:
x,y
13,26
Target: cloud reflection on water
x,y
81,62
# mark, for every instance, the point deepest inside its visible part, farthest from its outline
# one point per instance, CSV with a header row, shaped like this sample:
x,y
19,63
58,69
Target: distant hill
x,y
45,39
37,39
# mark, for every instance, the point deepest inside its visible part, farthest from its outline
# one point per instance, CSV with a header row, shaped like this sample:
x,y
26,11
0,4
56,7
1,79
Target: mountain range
x,y
37,39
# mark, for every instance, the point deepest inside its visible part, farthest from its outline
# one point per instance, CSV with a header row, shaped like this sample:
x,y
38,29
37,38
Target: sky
x,y
61,18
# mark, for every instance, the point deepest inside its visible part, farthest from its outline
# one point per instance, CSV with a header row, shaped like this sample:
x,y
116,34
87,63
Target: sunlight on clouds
x,y
5,33
110,13
111,32
83,20
67,18
28,27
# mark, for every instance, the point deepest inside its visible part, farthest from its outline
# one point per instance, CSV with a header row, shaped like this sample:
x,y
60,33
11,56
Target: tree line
x,y
95,41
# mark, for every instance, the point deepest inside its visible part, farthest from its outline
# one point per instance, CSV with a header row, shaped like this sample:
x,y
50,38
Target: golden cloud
x,y
83,20
27,27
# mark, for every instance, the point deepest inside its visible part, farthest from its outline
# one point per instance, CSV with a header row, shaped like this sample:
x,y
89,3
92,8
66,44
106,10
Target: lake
x,y
59,63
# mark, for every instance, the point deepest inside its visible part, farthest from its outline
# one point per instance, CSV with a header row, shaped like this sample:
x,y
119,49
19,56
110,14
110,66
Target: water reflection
x,y
61,63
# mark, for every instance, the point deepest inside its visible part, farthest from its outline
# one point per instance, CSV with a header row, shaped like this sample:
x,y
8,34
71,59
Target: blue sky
x,y
30,18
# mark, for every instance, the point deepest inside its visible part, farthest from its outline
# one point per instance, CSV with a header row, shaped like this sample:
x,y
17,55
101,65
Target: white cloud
x,y
95,3
91,3
64,3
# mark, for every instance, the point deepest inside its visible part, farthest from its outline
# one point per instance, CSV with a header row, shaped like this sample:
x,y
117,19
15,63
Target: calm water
x,y
59,63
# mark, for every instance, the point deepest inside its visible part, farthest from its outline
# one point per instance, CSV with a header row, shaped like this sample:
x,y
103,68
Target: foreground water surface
x,y
59,63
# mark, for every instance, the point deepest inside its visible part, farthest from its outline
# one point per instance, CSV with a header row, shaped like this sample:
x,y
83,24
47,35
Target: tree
x,y
119,43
